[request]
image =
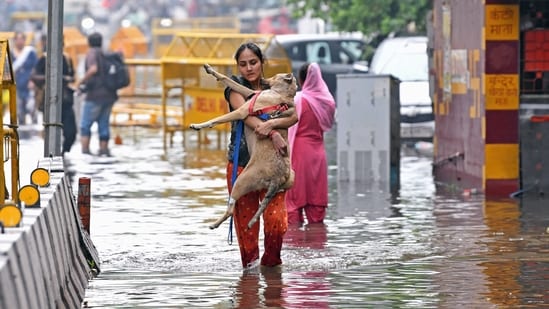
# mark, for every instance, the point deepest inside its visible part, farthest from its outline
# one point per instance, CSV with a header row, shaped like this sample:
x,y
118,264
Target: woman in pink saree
x,y
315,107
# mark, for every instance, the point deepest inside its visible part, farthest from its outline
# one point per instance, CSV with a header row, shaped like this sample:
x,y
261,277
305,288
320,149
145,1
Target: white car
x,y
406,59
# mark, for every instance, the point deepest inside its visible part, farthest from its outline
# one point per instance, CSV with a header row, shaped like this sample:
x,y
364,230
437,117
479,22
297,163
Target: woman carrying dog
x,y
315,108
249,59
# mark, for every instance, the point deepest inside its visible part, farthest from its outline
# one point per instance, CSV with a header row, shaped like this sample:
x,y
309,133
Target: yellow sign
x,y
501,161
502,91
204,105
502,22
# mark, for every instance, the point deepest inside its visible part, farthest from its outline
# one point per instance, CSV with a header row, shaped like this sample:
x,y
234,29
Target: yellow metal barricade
x,y
75,44
140,103
201,96
164,29
10,213
130,41
6,35
22,16
145,78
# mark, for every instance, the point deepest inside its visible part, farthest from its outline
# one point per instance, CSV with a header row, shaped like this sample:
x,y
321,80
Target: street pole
x,y
54,76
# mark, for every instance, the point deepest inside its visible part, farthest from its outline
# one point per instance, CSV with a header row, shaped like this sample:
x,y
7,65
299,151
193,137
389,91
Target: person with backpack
x,y
99,99
24,58
38,78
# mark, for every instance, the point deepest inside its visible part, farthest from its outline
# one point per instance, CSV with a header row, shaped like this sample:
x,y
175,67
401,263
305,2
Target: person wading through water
x,y
249,60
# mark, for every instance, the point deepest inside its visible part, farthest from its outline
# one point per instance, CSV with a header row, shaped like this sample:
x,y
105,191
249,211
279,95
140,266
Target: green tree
x,y
377,19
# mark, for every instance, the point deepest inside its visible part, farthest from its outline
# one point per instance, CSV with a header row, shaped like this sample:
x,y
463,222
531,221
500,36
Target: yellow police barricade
x,y
6,35
201,96
10,213
140,103
75,44
164,29
27,16
130,41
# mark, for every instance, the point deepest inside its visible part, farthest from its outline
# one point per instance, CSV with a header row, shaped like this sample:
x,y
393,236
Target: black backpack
x,y
113,71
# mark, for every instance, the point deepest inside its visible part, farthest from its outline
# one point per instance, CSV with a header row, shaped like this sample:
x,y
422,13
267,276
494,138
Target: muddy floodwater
x,y
420,248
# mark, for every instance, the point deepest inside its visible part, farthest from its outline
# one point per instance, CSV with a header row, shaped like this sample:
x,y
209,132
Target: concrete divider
x,y
48,260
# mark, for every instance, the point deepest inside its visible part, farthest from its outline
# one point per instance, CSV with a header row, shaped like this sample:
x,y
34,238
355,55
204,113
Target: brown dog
x,y
267,169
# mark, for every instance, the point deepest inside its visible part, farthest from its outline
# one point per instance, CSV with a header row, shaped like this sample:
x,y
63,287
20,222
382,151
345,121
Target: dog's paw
x,y
276,114
208,68
195,127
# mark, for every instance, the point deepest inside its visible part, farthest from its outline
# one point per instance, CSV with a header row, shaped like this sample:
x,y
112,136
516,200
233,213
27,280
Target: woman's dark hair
x,y
251,46
302,73
95,39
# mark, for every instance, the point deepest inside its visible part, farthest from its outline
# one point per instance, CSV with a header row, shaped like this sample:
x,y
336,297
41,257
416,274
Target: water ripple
x,y
419,248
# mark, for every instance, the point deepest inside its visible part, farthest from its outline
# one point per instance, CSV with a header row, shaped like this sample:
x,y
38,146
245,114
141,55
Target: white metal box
x,y
368,130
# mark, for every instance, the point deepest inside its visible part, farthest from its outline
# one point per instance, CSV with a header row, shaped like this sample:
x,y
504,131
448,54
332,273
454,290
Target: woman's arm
x,y
266,128
236,100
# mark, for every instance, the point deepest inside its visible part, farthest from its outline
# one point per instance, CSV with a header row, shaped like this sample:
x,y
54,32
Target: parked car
x,y
335,53
406,58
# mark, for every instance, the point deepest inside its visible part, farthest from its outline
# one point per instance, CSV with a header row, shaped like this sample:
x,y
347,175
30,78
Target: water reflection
x,y
501,219
312,235
418,249
514,274
356,197
311,289
257,290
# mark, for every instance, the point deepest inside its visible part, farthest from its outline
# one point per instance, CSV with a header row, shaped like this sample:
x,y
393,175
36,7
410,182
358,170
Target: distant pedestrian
x,y
38,77
99,99
315,108
24,59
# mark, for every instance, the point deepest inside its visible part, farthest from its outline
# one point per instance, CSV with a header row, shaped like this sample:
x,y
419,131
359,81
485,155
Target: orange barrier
x,y
130,41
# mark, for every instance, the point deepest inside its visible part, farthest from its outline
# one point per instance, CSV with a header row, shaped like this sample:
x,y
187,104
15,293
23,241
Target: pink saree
x,y
315,107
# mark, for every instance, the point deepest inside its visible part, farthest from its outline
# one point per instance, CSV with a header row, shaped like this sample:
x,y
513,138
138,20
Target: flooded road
x,y
420,249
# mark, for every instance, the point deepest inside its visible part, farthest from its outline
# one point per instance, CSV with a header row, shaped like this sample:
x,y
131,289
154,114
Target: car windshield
x,y
407,67
353,47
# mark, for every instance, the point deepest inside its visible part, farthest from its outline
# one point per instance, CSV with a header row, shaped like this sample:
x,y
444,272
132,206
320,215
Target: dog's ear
x,y
289,78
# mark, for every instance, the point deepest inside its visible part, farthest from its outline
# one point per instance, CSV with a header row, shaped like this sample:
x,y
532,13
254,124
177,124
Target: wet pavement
x,y
421,248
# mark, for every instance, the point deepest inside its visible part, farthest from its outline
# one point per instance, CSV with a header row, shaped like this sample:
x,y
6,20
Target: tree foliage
x,y
371,17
